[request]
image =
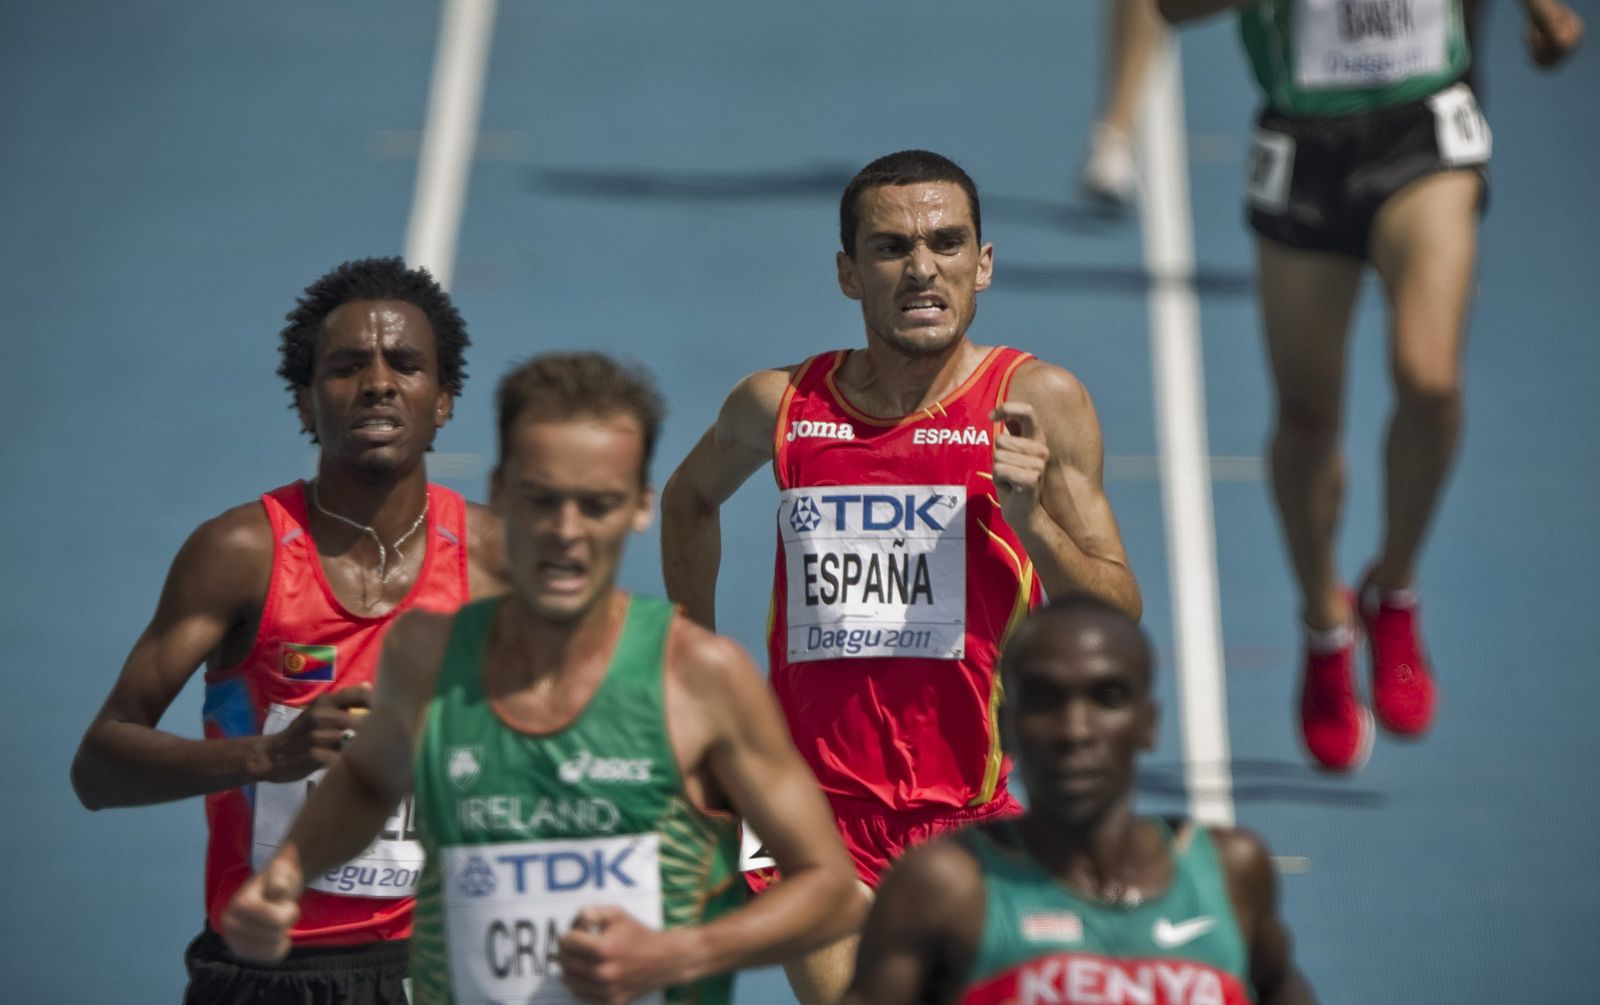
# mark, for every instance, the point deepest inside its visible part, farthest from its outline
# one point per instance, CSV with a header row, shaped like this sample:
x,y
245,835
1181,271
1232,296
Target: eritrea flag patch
x,y
306,663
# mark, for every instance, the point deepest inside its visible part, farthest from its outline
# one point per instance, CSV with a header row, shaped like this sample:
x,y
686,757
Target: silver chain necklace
x,y
383,556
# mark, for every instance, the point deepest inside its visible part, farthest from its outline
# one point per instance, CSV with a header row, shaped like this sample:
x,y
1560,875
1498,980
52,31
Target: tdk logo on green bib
x,y
875,570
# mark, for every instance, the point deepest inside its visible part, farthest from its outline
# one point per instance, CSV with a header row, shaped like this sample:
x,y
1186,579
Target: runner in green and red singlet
x,y
577,754
1080,901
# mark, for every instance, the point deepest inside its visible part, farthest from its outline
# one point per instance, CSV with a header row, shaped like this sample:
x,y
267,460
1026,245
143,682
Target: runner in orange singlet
x,y
285,600
930,489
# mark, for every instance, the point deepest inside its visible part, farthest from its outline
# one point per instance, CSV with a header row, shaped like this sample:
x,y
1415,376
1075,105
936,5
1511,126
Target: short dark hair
x,y
372,279
907,167
565,385
1078,602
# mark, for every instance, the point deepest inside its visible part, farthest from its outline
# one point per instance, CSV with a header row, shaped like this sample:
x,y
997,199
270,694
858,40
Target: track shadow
x,y
1130,279
822,181
1264,781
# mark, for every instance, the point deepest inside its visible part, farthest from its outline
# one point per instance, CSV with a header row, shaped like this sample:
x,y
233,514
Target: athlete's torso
x,y
1043,944
522,829
1339,57
896,581
306,644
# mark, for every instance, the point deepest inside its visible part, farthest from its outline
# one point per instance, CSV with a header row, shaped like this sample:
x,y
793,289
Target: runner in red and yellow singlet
x,y
285,601
309,645
930,489
897,577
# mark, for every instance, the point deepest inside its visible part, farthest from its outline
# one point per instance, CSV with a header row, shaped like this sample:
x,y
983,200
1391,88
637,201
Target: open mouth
x,y
923,307
563,576
378,428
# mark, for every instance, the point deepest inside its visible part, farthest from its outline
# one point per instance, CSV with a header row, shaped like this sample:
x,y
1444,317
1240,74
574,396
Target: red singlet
x,y
308,644
896,582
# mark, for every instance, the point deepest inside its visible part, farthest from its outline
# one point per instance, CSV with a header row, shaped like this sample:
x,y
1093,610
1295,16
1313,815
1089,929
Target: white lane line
x,y
449,135
1181,432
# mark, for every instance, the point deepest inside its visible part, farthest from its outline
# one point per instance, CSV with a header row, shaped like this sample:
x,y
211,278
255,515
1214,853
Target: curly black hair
x,y
373,279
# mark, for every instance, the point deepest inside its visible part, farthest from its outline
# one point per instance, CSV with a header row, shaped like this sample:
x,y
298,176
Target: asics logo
x,y
1169,935
586,766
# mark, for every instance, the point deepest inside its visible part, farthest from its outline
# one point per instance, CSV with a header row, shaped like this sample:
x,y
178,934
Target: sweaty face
x,y
374,399
918,267
1077,712
570,494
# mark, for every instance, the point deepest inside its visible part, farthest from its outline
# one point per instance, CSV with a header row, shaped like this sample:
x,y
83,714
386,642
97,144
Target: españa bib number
x,y
389,867
875,570
1367,43
506,906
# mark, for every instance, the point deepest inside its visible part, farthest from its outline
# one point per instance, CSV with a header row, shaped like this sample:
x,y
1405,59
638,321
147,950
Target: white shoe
x,y
1109,176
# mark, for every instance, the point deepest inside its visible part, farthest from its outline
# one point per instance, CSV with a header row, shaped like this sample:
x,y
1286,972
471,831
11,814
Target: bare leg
x,y
1136,32
1306,302
1424,246
822,976
1109,171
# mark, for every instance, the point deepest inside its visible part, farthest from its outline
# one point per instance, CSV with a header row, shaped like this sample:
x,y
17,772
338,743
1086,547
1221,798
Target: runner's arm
x,y
487,572
1048,475
216,585
919,941
738,443
1554,31
1254,889
718,698
359,792
1187,10
362,789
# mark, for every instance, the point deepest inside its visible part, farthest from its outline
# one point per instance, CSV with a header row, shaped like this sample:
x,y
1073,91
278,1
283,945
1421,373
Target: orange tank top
x,y
308,644
896,581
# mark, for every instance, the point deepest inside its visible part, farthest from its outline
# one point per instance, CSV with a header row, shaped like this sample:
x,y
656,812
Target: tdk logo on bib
x,y
477,879
560,871
873,511
875,570
805,515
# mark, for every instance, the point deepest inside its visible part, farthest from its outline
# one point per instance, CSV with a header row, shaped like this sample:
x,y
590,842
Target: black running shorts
x,y
371,974
1317,183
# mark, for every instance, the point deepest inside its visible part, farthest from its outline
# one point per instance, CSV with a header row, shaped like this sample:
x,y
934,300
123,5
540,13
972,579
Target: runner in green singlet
x,y
577,754
1369,148
1080,901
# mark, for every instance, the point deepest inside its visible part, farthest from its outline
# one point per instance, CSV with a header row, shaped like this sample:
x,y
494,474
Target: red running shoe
x,y
1337,728
1403,692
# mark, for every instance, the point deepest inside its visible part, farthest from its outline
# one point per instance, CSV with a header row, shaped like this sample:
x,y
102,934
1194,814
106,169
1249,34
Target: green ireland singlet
x,y
1044,945
1340,57
522,830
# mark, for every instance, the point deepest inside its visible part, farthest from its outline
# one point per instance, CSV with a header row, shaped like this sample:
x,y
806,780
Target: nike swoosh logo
x,y
1169,936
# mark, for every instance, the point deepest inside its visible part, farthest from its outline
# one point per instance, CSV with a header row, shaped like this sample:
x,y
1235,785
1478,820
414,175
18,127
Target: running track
x,y
660,181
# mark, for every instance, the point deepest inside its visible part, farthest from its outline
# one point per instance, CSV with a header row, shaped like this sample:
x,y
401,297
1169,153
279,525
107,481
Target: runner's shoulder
x,y
1047,385
486,551
942,879
1247,864
233,548
709,666
760,393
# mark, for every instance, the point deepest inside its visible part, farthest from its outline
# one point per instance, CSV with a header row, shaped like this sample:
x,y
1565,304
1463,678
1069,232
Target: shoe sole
x,y
1363,750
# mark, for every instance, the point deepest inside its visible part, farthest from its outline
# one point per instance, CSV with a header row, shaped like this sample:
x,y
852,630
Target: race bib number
x,y
507,905
1271,171
875,570
1367,43
1463,135
389,867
